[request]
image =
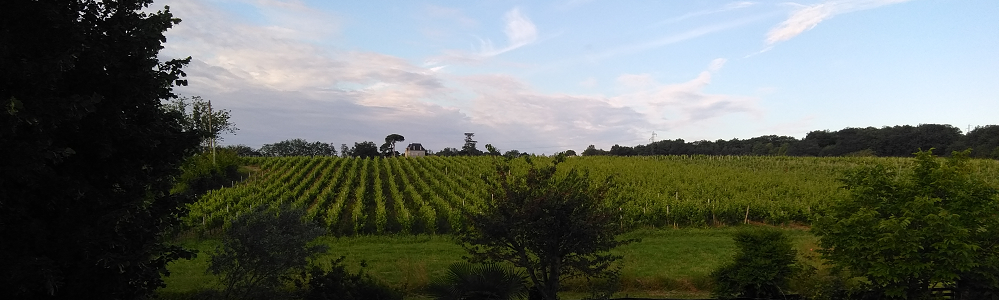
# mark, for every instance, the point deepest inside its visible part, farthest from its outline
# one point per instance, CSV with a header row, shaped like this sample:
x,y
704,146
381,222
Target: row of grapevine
x,y
431,195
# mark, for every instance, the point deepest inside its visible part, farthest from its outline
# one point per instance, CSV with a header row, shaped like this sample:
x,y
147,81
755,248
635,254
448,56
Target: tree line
x,y
368,149
895,141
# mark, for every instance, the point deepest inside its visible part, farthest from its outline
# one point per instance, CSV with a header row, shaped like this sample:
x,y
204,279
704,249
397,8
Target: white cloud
x,y
806,17
716,64
679,105
512,111
519,30
280,86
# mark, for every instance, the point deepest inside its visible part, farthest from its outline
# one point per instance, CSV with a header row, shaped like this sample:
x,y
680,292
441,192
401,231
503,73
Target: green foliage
x,y
206,171
340,284
763,264
667,191
556,226
199,116
298,147
262,250
88,152
388,148
467,281
907,230
364,150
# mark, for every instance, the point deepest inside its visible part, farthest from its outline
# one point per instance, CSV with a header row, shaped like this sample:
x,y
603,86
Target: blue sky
x,y
544,77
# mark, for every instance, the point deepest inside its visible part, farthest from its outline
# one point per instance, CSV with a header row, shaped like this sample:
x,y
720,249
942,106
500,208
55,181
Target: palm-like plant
x,y
466,281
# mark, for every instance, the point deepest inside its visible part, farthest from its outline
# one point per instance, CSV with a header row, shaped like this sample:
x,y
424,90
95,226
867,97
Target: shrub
x,y
202,172
340,284
466,281
763,264
261,251
908,230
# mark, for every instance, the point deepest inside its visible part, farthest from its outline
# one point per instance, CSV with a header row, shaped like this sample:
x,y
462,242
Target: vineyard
x,y
429,195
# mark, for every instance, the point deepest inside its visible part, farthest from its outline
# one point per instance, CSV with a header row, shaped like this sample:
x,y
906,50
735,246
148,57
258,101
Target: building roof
x,y
415,147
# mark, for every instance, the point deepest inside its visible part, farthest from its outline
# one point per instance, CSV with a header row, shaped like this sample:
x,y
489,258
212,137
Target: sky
x,y
547,76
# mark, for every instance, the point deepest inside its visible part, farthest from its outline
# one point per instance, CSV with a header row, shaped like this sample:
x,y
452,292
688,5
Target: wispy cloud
x,y
519,30
725,8
806,17
676,38
678,105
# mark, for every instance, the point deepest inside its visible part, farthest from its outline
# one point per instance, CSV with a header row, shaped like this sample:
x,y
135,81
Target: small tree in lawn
x,y
263,250
555,226
763,264
906,231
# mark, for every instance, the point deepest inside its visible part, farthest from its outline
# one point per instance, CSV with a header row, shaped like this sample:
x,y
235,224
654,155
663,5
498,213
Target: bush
x,y
905,231
466,281
763,264
340,284
261,252
202,172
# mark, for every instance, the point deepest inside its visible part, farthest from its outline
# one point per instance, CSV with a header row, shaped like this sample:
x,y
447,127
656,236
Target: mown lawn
x,y
666,263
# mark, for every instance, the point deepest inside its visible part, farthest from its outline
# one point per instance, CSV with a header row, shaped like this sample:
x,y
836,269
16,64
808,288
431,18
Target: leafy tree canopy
x,y
388,148
89,151
907,230
364,150
298,147
555,226
199,116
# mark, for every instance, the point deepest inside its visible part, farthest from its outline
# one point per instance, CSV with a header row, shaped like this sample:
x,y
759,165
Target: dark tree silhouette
x,y
89,150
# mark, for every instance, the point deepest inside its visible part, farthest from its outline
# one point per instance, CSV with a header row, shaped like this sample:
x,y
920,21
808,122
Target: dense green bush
x,y
206,171
905,231
340,284
764,262
261,252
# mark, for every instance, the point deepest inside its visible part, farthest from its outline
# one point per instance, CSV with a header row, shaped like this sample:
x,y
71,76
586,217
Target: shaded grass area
x,y
674,263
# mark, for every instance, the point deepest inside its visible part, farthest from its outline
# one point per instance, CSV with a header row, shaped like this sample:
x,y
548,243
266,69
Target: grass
x,y
672,263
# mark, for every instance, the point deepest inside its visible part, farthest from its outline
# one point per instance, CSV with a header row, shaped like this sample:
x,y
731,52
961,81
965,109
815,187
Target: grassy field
x,y
666,263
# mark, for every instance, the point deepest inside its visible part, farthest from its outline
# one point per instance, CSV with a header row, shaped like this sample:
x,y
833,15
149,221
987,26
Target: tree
x,y
764,262
204,171
388,149
984,141
469,147
907,230
89,151
298,147
263,249
364,150
244,150
592,150
448,151
513,153
555,226
492,150
199,116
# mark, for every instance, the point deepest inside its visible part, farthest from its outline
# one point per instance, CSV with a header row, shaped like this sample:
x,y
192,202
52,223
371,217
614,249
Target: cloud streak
x,y
806,17
676,38
725,8
519,30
